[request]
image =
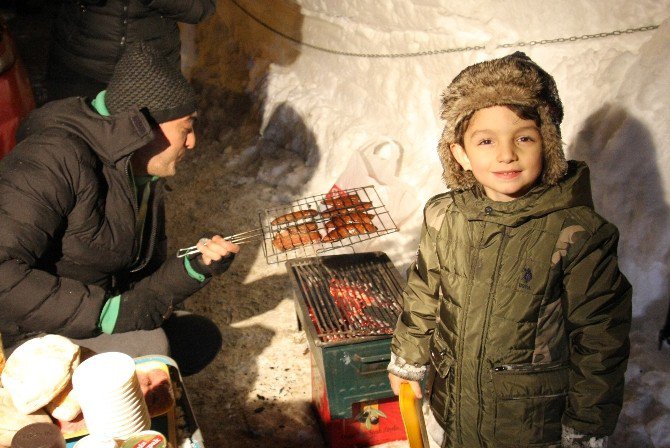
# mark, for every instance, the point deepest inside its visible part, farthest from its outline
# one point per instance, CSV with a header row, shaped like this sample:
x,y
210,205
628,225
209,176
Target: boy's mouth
x,y
507,174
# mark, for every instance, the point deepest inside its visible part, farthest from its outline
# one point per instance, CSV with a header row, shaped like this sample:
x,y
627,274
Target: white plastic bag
x,y
377,163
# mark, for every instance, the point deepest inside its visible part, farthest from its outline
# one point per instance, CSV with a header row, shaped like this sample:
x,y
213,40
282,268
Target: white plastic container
x,y
110,396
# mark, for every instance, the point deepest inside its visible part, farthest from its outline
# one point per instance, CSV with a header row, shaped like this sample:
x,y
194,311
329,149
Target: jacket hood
x,y
112,138
511,80
573,190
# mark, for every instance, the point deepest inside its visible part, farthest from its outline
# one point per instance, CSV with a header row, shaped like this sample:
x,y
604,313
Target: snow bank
x,y
335,93
325,106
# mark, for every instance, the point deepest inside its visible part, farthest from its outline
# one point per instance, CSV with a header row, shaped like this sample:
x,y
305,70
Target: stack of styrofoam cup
x,y
110,396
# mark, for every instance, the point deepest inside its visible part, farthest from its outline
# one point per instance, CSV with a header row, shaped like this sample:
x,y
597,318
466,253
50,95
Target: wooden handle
x,y
412,417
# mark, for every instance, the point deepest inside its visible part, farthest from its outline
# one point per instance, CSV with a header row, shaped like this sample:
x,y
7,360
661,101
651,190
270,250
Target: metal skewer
x,y
238,238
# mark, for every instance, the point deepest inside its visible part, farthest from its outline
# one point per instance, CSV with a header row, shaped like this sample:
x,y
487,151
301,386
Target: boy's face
x,y
503,151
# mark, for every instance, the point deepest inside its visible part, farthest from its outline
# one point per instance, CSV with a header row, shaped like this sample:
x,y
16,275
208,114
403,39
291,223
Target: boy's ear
x,y
460,155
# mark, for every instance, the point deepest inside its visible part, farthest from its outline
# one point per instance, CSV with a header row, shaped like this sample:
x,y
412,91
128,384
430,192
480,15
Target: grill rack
x,y
381,219
346,298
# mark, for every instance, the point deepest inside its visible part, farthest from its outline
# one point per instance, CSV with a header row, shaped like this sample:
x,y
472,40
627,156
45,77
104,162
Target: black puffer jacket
x,y
90,35
67,223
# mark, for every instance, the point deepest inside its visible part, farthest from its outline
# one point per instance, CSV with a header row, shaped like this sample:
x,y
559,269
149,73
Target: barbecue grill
x,y
322,223
379,215
348,306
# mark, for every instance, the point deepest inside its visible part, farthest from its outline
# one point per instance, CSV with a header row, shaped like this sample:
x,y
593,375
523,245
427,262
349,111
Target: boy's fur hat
x,y
515,80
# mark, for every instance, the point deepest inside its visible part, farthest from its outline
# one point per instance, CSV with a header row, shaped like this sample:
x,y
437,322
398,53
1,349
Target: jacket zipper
x,y
136,209
548,367
496,276
538,396
152,234
459,382
528,368
138,263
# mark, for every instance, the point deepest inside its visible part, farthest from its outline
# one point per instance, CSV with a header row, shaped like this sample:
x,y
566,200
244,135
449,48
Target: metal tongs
x,y
238,238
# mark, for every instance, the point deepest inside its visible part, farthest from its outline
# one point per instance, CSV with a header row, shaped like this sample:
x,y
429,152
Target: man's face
x,y
160,157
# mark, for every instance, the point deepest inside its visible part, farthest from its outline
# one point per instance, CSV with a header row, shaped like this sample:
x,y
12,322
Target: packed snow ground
x,y
319,110
338,96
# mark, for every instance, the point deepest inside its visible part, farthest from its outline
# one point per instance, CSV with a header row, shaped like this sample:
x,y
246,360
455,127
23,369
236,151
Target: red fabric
x,y
16,100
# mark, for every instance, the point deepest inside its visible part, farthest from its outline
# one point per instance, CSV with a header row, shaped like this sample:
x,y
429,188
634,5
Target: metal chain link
x,y
447,50
394,55
576,38
348,53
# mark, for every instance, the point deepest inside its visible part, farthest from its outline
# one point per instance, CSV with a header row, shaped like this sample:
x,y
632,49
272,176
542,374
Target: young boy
x,y
515,305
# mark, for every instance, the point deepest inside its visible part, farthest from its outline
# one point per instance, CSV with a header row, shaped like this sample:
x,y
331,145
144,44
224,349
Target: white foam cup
x,y
110,395
91,441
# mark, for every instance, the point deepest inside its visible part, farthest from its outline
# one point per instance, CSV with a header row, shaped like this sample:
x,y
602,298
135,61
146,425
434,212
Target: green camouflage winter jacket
x,y
523,314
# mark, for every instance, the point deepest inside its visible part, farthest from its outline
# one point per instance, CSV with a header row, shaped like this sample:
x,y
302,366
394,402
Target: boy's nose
x,y
506,152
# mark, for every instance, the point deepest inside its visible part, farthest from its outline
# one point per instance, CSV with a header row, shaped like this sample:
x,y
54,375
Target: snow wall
x,y
333,78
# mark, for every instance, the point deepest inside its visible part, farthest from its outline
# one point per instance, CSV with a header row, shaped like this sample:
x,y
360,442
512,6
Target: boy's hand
x,y
396,381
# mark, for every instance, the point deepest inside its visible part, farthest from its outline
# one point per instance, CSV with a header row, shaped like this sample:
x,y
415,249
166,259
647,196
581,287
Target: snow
x,y
321,108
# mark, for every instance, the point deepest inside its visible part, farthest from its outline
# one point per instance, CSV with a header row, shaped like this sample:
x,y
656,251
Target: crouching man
x,y
83,250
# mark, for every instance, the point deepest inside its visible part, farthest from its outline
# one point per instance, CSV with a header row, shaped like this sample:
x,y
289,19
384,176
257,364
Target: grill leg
x,y
297,319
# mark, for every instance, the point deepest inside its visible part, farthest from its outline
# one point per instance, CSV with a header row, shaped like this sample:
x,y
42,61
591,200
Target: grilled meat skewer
x,y
334,211
348,218
294,236
297,229
345,231
294,216
342,201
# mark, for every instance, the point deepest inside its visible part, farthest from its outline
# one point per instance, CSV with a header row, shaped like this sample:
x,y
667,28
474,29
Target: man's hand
x,y
215,248
396,381
216,255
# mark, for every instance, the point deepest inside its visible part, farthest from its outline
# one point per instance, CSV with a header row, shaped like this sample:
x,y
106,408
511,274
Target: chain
x,y
348,53
443,51
576,38
394,55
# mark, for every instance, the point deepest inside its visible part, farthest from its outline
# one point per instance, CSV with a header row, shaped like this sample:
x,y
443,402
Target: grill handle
x,y
368,365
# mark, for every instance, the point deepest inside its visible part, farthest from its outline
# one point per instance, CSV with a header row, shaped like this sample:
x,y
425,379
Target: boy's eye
x,y
485,141
526,138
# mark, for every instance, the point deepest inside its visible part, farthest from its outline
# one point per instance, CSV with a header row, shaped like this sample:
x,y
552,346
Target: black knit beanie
x,y
143,78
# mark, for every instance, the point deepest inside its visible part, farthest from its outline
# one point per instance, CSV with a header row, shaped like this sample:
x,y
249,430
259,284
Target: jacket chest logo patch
x,y
526,277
